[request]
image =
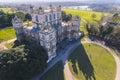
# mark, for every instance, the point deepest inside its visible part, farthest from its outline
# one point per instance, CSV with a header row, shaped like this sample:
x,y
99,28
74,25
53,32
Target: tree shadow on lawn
x,y
80,57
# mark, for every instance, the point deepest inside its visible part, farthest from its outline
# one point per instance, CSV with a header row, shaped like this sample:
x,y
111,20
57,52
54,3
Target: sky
x,y
56,0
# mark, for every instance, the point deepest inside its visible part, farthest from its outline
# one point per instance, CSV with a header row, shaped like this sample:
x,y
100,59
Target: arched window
x,y
46,18
37,19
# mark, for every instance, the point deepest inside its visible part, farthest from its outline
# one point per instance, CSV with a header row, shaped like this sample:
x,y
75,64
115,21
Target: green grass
x,y
7,34
83,28
6,10
92,62
84,14
56,73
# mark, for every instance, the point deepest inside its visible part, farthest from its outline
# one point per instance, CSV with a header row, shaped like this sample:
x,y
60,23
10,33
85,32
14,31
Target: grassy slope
x,y
92,61
7,34
84,14
56,73
6,10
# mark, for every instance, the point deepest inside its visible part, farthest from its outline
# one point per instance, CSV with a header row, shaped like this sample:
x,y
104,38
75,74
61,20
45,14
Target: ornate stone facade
x,y
48,29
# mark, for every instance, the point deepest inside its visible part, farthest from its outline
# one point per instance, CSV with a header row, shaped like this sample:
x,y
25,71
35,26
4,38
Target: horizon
x,y
24,1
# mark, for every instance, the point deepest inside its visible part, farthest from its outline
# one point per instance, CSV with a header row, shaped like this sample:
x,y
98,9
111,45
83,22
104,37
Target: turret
x,y
30,9
76,20
51,8
59,8
18,26
41,11
76,23
48,41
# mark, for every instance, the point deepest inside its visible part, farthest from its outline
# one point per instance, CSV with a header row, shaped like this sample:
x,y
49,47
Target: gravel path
x,y
67,73
2,45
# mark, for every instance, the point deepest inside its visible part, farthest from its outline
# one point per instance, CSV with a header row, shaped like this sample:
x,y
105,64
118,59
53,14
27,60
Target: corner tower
x,y
18,26
76,24
48,40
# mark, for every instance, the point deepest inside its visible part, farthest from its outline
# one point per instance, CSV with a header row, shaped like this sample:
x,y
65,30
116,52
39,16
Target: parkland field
x,y
87,15
7,34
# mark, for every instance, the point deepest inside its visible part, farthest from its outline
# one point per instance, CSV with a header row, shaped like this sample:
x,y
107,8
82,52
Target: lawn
x,y
7,34
83,28
6,10
92,62
84,14
55,73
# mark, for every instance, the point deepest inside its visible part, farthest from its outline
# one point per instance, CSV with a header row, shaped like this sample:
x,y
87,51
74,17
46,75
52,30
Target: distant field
x,y
7,34
84,14
6,10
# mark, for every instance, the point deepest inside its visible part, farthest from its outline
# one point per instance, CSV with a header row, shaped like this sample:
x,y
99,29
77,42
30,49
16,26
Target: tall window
x,y
57,15
46,18
50,17
50,36
54,16
37,18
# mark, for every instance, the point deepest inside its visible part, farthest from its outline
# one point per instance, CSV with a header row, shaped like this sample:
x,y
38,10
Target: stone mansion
x,y
48,30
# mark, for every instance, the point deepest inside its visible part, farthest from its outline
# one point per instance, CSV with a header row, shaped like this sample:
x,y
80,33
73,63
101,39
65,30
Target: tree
x,y
1,12
93,30
28,17
66,17
93,15
20,15
22,63
115,37
102,18
63,15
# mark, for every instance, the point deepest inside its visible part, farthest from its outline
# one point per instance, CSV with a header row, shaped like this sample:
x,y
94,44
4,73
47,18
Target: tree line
x,y
22,62
108,33
6,18
66,17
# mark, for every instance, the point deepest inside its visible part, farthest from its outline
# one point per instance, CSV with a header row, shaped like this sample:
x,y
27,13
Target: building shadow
x,y
55,73
84,65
